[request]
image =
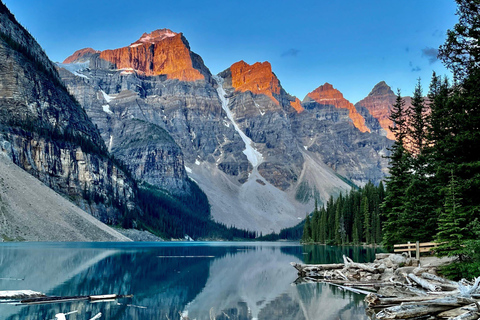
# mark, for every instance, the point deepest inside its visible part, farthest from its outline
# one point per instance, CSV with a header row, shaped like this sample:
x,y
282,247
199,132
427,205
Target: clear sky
x,y
350,44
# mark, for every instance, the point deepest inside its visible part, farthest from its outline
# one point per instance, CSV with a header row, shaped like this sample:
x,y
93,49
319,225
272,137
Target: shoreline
x,y
399,287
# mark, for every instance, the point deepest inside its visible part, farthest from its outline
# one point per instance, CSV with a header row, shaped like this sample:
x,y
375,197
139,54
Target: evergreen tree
x,y
323,226
307,230
366,222
399,165
420,202
452,224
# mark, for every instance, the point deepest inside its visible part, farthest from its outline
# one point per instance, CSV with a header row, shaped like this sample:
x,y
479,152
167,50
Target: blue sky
x,y
350,44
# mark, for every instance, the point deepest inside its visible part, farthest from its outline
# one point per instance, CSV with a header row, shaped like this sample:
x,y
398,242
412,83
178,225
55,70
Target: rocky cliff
x,y
47,133
327,95
331,128
31,211
379,104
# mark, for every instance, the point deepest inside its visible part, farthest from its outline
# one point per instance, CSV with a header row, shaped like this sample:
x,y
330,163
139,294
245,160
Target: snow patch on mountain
x,y
107,97
253,155
106,109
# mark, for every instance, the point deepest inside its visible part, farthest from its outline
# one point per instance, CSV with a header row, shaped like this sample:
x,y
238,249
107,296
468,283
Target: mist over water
x,y
201,280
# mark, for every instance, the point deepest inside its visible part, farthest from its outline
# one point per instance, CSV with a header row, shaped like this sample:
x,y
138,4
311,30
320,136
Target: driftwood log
x,y
402,290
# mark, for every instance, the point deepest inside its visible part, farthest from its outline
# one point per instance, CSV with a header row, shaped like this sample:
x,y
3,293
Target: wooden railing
x,y
417,247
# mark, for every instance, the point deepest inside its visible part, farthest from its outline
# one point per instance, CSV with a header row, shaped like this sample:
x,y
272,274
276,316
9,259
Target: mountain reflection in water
x,y
200,280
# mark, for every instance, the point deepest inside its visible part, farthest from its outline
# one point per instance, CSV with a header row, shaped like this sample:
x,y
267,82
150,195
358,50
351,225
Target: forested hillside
x,y
351,218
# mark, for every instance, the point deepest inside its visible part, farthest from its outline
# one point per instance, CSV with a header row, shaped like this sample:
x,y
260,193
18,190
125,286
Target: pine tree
x,y
307,230
367,227
323,226
399,165
419,206
452,224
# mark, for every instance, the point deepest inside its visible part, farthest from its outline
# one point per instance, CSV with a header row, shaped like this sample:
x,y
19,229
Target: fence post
x,y
417,250
409,252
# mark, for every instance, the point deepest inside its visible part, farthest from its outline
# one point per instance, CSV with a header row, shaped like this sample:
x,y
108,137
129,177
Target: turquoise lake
x,y
171,280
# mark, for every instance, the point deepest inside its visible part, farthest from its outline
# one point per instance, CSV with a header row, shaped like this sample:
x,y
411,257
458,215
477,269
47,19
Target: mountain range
x,y
104,125
261,155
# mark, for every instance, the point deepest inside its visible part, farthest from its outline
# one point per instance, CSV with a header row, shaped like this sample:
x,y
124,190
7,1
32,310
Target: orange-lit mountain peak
x,y
79,54
297,105
328,95
154,37
379,102
257,78
161,52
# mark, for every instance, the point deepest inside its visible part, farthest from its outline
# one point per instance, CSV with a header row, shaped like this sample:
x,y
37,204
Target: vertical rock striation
x,y
47,133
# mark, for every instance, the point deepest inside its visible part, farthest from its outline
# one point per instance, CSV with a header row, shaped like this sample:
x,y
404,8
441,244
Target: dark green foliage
x,y
393,206
170,217
307,230
468,266
461,52
353,218
442,191
420,203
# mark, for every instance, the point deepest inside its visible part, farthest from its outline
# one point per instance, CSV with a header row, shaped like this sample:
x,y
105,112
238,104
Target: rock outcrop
x,y
327,95
379,104
47,133
326,128
161,52
81,55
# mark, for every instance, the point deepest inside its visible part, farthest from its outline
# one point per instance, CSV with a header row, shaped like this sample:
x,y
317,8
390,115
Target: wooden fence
x,y
417,247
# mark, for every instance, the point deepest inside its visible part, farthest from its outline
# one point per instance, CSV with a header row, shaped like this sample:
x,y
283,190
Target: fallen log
x,y
450,301
471,315
408,311
350,264
20,294
433,277
374,300
424,283
304,268
45,300
452,313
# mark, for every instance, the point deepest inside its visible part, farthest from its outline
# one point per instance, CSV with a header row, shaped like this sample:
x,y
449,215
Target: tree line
x,y
352,218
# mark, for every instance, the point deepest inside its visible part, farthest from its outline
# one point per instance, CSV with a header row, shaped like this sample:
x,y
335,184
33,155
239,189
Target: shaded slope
x,y
30,211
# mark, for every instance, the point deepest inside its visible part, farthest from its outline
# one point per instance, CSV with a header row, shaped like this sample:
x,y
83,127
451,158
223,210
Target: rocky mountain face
x,y
187,110
379,104
327,95
47,133
332,128
261,155
31,211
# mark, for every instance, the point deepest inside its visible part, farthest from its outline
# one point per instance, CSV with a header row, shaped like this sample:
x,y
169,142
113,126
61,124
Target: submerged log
x,y
45,300
97,316
20,294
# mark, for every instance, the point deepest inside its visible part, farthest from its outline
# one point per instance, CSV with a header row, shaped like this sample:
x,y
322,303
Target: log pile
x,y
397,287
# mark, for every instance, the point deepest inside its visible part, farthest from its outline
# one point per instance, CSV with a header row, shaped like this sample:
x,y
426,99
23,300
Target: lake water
x,y
211,280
